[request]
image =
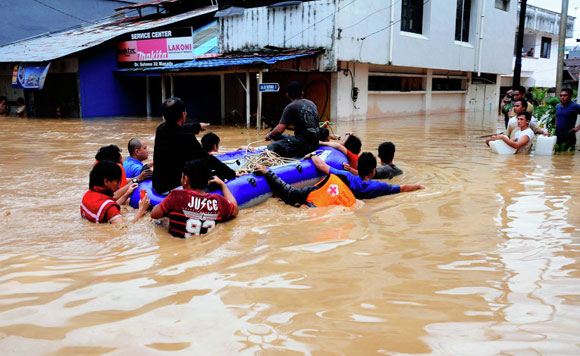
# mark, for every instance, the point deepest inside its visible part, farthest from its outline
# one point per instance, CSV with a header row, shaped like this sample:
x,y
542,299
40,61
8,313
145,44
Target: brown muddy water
x,y
483,261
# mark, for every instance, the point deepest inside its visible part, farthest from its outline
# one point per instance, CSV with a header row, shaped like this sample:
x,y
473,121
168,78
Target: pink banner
x,y
160,49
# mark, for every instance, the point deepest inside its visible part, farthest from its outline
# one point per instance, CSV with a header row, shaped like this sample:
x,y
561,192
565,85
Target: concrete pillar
x,y
248,114
259,111
428,91
163,93
223,98
171,86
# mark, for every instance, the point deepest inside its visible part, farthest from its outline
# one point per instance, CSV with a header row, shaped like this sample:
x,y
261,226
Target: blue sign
x,y
269,87
29,76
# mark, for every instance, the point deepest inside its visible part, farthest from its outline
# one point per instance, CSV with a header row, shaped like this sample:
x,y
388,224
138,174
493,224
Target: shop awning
x,y
50,46
258,59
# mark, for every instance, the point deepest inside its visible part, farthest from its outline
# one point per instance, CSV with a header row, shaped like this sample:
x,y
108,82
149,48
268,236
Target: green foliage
x,y
545,112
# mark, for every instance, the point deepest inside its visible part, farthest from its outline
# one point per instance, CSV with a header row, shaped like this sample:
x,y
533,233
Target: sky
x,y
555,5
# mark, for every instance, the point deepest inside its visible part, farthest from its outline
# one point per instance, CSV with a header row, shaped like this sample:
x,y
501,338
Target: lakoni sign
x,y
155,48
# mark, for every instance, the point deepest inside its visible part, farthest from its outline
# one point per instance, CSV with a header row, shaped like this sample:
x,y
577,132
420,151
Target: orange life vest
x,y
332,191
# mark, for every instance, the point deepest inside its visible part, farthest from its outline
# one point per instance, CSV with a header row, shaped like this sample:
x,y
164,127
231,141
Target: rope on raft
x,y
265,158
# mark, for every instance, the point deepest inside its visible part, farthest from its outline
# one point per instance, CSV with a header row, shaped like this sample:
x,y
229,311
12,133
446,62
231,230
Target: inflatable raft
x,y
251,189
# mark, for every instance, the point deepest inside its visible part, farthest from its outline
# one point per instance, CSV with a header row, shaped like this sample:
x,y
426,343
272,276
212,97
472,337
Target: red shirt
x,y
352,159
191,213
99,208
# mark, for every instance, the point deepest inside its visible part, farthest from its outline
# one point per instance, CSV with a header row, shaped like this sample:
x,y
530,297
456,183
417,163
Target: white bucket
x,y
501,148
545,145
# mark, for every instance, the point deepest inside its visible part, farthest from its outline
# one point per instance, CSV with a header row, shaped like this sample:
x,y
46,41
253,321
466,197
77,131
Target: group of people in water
x,y
182,169
522,126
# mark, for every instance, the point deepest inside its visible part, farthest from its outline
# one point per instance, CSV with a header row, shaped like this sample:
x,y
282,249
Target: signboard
x,y
269,87
29,76
155,48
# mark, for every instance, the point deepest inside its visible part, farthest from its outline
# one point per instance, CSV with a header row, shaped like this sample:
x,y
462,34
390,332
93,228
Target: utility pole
x,y
561,46
520,44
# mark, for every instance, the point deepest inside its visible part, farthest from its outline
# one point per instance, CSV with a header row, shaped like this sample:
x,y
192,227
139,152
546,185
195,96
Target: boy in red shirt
x,y
351,147
98,204
191,210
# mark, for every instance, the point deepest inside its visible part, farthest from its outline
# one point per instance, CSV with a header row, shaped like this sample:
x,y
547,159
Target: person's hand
x,y
132,187
203,125
145,174
239,174
217,181
144,203
346,166
575,129
261,169
267,137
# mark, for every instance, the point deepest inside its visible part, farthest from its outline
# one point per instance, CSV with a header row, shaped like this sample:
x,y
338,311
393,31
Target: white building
x,y
390,57
540,48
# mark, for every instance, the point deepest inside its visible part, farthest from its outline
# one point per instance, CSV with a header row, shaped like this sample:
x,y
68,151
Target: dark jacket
x,y
174,146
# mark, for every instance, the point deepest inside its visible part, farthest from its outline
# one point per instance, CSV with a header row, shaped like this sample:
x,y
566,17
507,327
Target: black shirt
x,y
303,115
174,146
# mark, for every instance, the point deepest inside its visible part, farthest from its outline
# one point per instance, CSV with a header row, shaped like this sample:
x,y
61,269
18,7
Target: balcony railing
x,y
541,20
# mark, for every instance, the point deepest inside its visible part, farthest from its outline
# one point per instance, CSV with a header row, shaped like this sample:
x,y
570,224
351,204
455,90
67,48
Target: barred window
x,y
412,16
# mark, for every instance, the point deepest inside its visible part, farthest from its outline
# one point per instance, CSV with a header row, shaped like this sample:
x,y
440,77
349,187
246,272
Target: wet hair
x,y
323,134
198,173
133,145
366,163
521,89
387,151
567,90
209,140
172,109
109,153
353,144
105,169
527,115
294,90
523,101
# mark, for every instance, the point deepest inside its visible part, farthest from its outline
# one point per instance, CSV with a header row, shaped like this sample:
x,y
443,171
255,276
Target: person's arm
x,y
515,144
221,169
576,128
277,131
538,130
227,194
141,211
158,212
336,145
411,187
348,168
320,165
129,188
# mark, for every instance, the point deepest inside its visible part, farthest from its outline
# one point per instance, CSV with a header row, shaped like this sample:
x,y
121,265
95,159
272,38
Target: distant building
x,y
540,48
393,57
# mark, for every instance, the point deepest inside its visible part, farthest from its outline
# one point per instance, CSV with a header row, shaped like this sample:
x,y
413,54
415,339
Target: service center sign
x,y
156,48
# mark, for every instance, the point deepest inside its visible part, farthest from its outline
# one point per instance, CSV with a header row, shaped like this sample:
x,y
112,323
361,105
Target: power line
x,y
58,10
371,14
317,22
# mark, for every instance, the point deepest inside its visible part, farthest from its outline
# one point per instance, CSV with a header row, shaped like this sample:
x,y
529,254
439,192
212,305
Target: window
x,y
442,84
462,20
412,16
384,83
546,45
502,5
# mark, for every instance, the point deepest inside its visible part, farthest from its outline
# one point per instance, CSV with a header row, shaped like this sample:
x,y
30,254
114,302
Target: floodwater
x,y
483,261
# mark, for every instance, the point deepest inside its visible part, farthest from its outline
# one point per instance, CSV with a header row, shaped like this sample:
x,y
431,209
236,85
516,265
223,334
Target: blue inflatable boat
x,y
251,189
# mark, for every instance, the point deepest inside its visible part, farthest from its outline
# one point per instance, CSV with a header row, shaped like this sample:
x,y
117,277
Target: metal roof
x,y
231,60
59,44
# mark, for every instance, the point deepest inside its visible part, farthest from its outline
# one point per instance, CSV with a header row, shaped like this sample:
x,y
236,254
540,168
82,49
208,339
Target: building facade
x,y
393,57
540,48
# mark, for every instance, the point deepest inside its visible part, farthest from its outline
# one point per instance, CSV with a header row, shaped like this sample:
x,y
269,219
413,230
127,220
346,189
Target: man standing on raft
x,y
303,115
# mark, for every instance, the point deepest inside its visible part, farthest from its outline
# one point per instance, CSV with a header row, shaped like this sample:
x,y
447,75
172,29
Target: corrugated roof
x,y
231,60
55,45
146,4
